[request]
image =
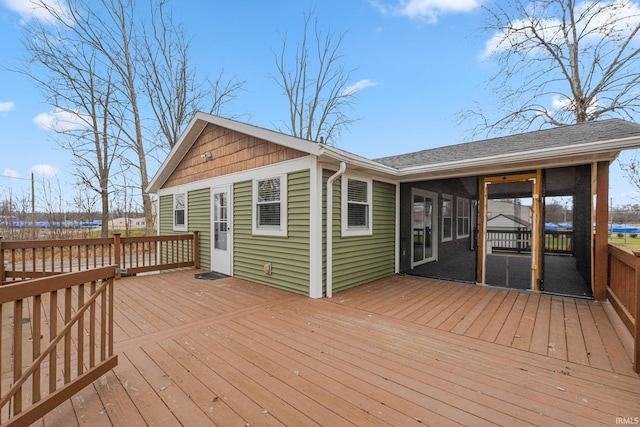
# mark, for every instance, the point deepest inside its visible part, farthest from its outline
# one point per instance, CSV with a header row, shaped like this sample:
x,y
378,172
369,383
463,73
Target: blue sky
x,y
420,58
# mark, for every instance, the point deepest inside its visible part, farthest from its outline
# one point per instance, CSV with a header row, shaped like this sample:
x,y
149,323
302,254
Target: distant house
x,y
507,222
315,219
127,223
512,208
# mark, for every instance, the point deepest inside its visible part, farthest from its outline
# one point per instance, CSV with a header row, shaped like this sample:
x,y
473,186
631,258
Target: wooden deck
x,y
400,351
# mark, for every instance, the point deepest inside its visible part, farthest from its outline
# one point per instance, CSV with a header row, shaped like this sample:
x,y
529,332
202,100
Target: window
x,y
269,206
447,217
463,212
356,206
180,211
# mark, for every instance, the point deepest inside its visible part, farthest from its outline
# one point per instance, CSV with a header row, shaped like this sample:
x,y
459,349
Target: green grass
x,y
627,243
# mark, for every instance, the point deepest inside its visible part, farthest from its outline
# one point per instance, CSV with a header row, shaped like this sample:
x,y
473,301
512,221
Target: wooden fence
x,y
29,259
56,329
555,241
624,293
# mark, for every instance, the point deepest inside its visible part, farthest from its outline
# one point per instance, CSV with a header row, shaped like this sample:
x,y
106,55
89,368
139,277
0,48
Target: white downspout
x,y
332,178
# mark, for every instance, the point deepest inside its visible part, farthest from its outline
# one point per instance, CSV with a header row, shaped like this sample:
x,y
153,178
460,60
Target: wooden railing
x,y
623,292
55,330
555,241
29,259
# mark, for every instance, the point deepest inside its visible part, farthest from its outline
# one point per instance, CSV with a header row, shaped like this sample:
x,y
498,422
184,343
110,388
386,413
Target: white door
x,y
424,222
221,235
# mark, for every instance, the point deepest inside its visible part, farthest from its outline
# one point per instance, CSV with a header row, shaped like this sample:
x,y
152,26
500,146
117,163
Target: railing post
x,y
117,252
196,249
636,334
2,278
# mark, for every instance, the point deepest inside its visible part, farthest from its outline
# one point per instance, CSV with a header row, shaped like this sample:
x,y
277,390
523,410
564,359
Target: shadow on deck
x,y
398,351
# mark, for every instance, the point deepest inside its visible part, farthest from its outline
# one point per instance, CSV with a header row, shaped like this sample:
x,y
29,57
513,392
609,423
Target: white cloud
x,y
426,10
27,9
6,106
44,170
61,120
599,20
11,173
563,103
359,85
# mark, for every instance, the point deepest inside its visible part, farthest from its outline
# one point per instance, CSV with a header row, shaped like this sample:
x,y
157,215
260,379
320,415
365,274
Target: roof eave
x,y
557,156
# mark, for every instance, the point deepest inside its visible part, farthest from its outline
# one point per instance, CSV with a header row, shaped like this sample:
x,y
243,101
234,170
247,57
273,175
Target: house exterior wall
x,y
455,187
231,152
289,256
361,259
198,219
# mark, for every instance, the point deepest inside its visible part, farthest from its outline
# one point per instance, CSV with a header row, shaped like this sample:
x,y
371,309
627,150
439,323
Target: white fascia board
x,y
188,137
198,124
544,154
279,138
358,161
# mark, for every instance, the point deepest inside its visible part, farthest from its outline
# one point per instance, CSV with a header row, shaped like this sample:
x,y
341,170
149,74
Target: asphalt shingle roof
x,y
558,137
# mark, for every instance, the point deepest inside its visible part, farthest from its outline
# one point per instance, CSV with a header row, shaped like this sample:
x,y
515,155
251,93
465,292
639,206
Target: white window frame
x,y
449,198
179,227
463,205
278,231
359,230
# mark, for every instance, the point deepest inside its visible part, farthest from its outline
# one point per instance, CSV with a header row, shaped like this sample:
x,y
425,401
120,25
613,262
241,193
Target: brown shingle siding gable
x,y
231,152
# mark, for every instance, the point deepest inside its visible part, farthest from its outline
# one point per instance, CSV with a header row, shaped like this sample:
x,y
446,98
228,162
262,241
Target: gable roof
x,y
197,124
561,146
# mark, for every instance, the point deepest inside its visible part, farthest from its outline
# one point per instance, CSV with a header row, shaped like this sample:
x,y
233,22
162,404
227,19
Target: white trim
x,y
452,216
285,167
397,244
315,229
185,226
467,216
435,215
199,122
229,190
543,155
281,230
363,230
329,230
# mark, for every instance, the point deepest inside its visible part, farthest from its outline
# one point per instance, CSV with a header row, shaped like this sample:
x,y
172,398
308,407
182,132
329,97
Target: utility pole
x,y
33,208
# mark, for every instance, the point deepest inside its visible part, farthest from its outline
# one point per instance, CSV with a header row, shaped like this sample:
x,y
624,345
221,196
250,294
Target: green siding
x,y
289,256
166,215
198,218
361,259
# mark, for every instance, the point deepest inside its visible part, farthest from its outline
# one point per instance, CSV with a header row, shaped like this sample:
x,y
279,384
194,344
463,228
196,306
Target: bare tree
x,y
112,31
81,89
560,62
175,93
316,84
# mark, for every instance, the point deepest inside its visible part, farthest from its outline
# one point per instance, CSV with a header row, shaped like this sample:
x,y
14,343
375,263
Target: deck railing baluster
x,y
53,328
67,337
17,353
36,322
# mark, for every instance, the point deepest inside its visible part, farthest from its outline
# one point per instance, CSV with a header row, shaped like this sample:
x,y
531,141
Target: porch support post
x,y
538,240
481,238
600,267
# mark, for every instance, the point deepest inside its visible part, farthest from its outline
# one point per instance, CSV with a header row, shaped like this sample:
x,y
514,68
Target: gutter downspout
x,y
332,178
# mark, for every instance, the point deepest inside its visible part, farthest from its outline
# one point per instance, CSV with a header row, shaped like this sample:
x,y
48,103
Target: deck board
x,y
399,351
